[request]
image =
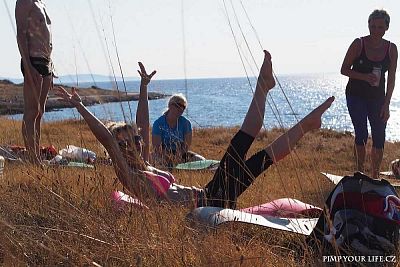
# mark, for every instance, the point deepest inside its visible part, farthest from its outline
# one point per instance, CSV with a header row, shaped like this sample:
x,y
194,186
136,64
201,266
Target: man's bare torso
x,y
39,30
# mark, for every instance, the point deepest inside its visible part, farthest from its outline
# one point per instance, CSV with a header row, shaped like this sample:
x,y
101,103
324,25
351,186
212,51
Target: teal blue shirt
x,y
170,137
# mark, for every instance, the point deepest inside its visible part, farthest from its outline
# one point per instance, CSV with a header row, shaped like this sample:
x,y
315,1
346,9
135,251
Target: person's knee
x,y
378,134
40,112
199,157
361,133
361,141
361,138
194,156
378,143
30,115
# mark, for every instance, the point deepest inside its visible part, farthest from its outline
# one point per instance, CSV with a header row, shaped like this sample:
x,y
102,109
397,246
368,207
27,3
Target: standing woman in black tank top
x,y
366,62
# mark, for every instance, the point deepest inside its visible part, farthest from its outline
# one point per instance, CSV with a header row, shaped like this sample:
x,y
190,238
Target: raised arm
x,y
122,170
142,113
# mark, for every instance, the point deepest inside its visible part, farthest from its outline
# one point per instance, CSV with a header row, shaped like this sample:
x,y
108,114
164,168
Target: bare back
x,y
36,24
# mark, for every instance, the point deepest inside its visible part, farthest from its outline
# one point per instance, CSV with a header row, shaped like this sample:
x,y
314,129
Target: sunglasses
x,y
127,142
180,106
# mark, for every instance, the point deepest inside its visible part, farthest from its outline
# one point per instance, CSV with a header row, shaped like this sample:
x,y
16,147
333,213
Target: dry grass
x,y
64,217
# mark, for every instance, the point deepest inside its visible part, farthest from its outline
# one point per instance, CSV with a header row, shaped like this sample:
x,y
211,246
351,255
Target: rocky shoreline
x,y
12,102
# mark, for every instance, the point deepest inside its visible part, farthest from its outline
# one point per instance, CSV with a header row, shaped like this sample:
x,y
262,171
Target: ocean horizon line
x,y
84,77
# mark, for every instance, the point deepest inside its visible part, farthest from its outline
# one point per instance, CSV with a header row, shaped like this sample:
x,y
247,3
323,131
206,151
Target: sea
x,y
223,102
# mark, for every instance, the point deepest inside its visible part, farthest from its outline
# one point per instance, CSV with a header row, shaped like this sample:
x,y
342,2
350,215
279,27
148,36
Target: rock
x,y
11,97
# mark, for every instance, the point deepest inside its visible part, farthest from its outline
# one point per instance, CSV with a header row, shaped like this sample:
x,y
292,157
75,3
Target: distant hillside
x,y
72,78
13,80
12,101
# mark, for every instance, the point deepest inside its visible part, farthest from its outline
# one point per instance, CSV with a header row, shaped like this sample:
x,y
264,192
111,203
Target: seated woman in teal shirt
x,y
172,135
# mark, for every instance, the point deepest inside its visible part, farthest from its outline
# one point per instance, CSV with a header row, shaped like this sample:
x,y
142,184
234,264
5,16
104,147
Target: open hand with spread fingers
x,y
73,98
143,74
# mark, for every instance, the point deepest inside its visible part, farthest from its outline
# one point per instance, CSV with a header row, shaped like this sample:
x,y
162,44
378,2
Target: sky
x,y
193,39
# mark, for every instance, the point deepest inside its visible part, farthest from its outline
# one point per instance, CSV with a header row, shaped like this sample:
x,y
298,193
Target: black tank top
x,y
364,65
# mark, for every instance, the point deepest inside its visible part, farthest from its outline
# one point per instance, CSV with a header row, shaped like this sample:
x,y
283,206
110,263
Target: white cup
x,y
377,72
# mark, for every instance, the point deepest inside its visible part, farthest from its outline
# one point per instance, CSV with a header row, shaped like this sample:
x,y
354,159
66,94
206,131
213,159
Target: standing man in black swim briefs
x,y
35,46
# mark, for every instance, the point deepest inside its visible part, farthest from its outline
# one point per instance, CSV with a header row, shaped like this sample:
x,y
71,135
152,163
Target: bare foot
x,y
313,119
266,80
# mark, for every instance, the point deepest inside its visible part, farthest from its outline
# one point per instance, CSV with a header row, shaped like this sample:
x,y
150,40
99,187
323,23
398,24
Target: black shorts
x,y
43,65
235,174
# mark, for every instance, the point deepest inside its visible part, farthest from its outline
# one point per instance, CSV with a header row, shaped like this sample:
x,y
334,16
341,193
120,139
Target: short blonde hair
x,y
137,163
177,99
116,127
380,14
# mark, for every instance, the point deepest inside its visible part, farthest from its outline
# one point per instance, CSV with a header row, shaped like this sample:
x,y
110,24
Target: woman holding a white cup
x,y
366,62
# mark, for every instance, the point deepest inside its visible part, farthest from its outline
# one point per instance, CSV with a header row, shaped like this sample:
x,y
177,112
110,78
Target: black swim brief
x,y
43,65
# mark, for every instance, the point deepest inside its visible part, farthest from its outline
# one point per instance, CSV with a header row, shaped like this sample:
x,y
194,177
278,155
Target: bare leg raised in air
x,y
236,173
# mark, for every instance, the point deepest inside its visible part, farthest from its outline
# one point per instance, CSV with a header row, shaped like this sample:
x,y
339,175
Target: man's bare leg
x,y
31,111
359,155
376,160
46,86
284,144
255,115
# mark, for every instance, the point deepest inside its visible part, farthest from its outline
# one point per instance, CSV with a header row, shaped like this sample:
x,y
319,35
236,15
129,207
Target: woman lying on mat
x,y
129,150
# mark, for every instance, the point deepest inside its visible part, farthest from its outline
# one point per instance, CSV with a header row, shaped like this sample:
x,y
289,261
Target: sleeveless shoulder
x,y
360,42
355,48
392,50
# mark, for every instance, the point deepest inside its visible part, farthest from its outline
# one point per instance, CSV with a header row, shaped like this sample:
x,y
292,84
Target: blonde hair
x,y
380,14
140,185
177,99
116,127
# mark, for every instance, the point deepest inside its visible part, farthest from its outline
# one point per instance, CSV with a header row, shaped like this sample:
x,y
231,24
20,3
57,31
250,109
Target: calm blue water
x,y
224,102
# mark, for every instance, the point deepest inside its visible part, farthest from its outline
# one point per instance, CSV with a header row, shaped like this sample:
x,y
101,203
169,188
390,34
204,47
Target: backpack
x,y
361,217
